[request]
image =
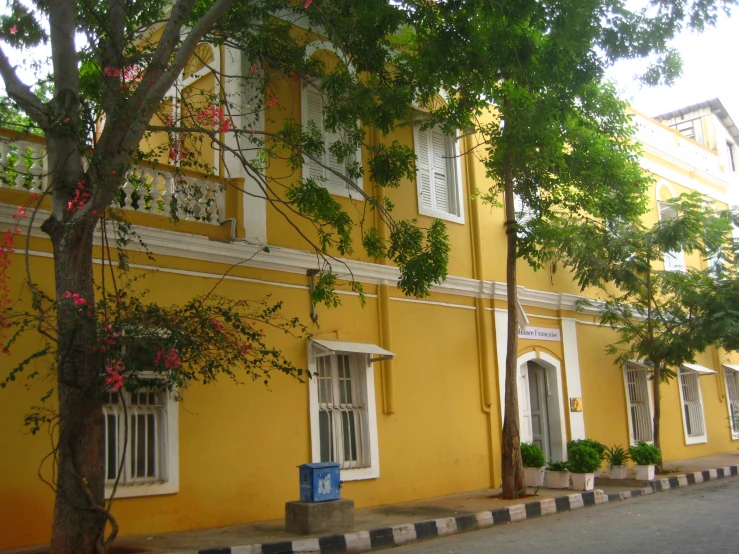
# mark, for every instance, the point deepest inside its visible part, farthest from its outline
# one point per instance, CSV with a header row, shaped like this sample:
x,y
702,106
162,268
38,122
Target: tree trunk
x,y
79,518
512,466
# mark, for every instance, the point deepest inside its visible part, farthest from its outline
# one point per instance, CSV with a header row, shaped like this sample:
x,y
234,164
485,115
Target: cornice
x,y
200,248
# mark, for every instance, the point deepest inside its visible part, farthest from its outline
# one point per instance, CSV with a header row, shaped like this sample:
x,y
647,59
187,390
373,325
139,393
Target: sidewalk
x,y
395,524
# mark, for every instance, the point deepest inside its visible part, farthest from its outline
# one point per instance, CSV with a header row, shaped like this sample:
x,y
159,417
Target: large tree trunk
x,y
512,468
79,519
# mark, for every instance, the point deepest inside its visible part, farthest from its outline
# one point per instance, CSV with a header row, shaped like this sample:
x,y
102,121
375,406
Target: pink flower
x,y
114,379
112,71
307,3
13,30
171,359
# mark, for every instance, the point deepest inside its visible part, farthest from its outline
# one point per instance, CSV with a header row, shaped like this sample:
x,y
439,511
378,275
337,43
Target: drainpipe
x,y
484,336
383,308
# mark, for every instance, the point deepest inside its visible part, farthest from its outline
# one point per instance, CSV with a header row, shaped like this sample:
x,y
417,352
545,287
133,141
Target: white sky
x,y
710,70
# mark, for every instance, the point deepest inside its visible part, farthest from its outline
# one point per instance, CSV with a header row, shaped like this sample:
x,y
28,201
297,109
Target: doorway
x,y
538,396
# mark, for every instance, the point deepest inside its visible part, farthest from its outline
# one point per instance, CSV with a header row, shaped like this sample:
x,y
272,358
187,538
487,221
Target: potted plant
x,y
645,456
533,464
584,461
599,447
617,457
558,475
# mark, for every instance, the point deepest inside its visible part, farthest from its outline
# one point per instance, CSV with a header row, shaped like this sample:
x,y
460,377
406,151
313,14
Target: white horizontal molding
x,y
197,247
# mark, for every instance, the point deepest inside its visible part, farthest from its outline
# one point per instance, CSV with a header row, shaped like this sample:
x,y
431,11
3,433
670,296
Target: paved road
x,y
702,519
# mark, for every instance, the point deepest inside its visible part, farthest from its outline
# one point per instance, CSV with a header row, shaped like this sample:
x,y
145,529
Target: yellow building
x,y
409,393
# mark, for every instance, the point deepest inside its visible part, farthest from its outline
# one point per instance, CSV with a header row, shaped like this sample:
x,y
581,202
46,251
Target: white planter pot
x,y
534,476
619,472
583,481
558,479
644,473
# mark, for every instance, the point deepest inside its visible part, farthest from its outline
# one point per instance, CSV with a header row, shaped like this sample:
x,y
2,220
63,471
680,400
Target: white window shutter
x,y
315,170
423,166
674,261
440,171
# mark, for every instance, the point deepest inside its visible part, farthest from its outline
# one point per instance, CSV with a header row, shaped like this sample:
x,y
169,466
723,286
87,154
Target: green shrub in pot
x,y
599,447
617,456
583,457
532,455
644,454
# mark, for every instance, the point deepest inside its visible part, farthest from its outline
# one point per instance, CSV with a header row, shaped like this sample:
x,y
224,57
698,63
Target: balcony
x,y
157,194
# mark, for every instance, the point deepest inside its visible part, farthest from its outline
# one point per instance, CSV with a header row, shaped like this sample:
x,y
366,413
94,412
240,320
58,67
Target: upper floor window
x,y
675,260
140,443
327,170
691,128
438,177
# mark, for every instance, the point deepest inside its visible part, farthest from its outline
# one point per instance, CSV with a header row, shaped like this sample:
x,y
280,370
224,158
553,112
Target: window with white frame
x,y
731,376
692,400
140,442
674,261
342,408
639,403
438,175
326,169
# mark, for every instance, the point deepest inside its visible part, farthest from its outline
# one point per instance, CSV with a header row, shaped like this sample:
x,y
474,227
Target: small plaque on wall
x,y
576,404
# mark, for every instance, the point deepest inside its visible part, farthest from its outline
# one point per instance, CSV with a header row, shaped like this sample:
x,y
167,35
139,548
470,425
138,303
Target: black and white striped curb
x,y
365,541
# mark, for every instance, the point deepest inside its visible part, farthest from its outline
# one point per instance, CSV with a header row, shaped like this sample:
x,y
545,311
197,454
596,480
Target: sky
x,y
710,70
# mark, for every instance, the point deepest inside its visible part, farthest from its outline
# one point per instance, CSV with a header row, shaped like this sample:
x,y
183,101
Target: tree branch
x,y
21,93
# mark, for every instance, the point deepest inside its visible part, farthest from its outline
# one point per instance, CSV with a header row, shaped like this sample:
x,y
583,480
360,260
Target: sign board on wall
x,y
540,333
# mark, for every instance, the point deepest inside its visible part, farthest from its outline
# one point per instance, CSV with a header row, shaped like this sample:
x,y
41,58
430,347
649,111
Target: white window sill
x,y
696,440
147,489
360,474
438,214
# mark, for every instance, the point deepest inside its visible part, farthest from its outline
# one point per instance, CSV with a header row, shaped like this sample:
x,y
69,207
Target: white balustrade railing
x,y
145,190
173,195
22,163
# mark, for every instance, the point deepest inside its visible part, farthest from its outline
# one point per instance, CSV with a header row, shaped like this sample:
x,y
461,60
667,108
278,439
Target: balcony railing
x,y
154,189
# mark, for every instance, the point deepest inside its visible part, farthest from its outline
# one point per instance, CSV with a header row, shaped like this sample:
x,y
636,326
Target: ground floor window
x,y
732,395
639,403
342,407
139,442
692,400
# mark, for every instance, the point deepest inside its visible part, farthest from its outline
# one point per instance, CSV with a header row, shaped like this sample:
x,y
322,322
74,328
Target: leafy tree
x,y
664,317
559,141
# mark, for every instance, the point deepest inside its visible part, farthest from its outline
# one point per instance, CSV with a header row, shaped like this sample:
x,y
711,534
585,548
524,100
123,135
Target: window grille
x,y
342,412
732,388
639,407
140,445
692,404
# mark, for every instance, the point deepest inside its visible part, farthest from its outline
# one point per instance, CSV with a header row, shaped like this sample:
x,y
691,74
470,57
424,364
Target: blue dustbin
x,y
319,482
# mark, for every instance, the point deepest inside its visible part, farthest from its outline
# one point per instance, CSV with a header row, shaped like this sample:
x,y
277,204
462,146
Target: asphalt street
x,y
702,518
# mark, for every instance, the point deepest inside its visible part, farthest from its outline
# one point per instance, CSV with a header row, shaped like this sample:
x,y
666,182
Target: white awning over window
x,y
328,347
699,369
732,367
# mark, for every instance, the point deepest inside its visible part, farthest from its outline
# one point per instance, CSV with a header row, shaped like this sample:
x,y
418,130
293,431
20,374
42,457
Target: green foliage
x,y
558,466
583,457
645,454
594,444
532,455
422,260
616,455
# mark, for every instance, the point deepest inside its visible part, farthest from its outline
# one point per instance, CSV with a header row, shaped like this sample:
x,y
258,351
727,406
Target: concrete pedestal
x,y
306,518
